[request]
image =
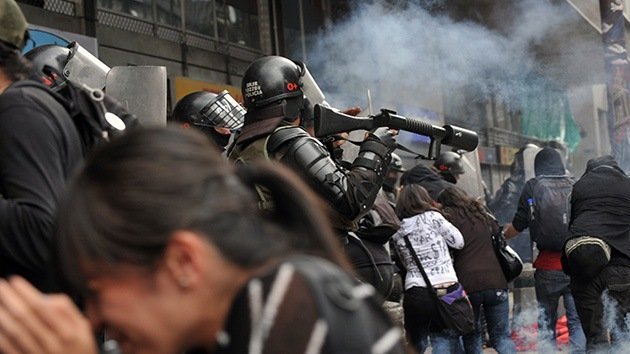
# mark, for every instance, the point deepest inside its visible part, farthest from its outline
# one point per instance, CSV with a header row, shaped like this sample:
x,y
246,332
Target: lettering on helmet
x,y
253,89
292,86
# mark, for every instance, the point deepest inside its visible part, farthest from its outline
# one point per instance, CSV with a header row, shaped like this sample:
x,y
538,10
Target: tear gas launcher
x,y
329,121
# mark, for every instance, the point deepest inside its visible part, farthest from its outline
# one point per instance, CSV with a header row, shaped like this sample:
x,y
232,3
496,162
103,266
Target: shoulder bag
x,y
454,307
510,262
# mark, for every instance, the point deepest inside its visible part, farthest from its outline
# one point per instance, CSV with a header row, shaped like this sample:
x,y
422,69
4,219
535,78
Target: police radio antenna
x,y
330,121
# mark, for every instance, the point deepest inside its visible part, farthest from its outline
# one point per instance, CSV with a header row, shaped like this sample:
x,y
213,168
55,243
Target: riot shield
x,y
141,90
471,181
529,154
85,68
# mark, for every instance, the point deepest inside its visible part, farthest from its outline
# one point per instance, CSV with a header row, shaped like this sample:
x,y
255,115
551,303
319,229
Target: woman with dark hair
x,y
431,236
478,270
166,244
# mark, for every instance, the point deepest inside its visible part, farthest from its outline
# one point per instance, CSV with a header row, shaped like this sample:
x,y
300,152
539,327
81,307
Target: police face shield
x,y
223,112
85,68
311,90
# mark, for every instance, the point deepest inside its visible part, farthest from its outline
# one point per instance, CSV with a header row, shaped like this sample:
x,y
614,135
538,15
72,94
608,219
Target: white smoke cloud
x,y
408,56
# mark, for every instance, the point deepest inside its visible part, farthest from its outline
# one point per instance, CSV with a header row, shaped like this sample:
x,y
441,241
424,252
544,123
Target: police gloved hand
x,y
385,136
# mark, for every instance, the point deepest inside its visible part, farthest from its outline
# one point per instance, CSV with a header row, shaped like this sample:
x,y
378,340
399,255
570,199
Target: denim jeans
x,y
496,309
550,286
610,287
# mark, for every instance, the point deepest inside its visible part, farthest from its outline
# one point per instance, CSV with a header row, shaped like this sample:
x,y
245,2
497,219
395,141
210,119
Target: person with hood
x,y
39,149
597,257
427,178
540,209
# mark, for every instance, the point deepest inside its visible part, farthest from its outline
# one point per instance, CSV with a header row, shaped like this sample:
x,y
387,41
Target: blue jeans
x,y
496,310
550,285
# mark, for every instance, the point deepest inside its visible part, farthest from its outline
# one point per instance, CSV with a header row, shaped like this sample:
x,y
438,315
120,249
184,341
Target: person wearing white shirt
x,y
431,236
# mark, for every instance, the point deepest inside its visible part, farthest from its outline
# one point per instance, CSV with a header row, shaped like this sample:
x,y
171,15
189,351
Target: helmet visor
x,y
85,68
310,88
223,112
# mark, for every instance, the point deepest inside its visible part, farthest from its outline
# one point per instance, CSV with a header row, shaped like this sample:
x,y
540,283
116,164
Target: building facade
x,y
207,44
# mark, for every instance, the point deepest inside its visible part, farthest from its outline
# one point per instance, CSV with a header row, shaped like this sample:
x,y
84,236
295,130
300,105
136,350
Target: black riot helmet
x,y
206,111
450,165
276,89
48,62
54,64
269,80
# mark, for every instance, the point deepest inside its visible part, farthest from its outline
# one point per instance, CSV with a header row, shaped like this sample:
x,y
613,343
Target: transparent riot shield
x,y
529,154
471,181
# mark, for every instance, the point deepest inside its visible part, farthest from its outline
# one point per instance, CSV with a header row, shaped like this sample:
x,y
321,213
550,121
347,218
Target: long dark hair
x,y
413,200
135,191
455,200
12,63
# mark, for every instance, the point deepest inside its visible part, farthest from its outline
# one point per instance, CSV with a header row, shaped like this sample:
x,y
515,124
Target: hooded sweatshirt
x,y
548,162
600,204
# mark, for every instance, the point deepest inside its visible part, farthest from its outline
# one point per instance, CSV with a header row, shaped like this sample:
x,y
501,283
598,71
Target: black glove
x,y
386,138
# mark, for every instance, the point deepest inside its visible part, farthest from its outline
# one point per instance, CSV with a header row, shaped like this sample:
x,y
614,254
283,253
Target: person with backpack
x,y
39,149
544,208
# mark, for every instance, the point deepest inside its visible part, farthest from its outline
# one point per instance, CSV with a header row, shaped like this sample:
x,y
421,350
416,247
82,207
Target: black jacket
x,y
427,178
39,149
600,204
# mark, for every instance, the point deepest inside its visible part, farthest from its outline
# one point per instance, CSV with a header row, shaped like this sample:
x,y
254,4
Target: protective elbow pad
x,y
308,156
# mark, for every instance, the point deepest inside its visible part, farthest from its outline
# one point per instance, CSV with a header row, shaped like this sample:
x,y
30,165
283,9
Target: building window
x,y
238,23
142,9
200,17
169,12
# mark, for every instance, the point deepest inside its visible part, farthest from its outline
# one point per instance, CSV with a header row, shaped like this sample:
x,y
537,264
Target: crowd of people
x,y
236,230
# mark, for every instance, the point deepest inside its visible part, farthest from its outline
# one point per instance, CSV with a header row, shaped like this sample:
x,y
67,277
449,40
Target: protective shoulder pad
x,y
283,135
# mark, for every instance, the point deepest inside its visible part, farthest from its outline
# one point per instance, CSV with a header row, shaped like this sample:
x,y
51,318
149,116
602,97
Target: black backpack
x,y
89,109
550,211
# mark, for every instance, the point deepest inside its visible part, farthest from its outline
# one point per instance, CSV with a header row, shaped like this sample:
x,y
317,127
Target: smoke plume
x,y
411,56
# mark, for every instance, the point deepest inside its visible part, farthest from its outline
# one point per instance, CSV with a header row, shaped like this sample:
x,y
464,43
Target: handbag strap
x,y
419,264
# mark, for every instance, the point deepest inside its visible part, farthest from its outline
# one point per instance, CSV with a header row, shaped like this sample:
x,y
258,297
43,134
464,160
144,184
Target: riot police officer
x,y
277,93
217,116
449,165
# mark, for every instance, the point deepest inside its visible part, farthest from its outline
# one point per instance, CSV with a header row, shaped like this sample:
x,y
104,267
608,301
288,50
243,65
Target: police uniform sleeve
x,y
31,178
352,192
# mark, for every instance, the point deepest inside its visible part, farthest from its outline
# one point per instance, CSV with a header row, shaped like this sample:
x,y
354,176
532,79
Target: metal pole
x,y
275,27
616,61
90,17
183,38
302,34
